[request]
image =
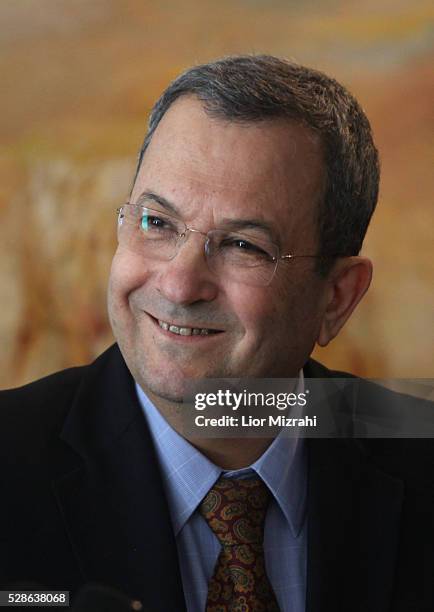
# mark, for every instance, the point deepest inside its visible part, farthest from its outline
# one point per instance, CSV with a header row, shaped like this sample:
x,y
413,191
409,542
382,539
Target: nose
x,y
186,278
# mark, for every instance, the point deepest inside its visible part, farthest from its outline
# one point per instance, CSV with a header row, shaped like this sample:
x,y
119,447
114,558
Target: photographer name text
x,y
249,421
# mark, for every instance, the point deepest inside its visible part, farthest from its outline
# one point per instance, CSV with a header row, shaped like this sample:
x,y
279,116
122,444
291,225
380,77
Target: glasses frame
x,y
182,236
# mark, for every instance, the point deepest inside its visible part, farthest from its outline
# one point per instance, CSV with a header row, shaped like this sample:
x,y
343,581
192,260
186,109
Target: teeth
x,y
183,331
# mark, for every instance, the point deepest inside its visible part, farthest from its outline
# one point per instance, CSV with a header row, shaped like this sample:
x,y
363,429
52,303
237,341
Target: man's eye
x,y
244,246
153,222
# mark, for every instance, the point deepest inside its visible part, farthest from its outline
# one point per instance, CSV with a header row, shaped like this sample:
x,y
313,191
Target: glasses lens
x,y
246,259
237,256
149,232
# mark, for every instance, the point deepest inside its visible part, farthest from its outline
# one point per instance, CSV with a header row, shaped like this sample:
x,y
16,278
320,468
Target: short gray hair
x,y
262,88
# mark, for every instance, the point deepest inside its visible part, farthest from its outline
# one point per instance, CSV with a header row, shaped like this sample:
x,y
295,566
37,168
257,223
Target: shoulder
x,y
392,430
38,395
35,413
315,369
32,414
42,388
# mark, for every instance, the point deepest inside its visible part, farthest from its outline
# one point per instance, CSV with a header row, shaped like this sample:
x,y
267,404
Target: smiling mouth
x,y
186,331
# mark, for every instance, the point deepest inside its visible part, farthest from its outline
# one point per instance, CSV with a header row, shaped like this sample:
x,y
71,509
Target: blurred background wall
x,y
78,78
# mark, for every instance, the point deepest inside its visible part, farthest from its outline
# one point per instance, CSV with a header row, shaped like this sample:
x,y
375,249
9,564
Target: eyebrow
x,y
227,223
242,224
150,195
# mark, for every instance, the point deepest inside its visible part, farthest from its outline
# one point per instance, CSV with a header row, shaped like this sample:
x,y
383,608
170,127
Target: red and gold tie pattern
x,y
235,510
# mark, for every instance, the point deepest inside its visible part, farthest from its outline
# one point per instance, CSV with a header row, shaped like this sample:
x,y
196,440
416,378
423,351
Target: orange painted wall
x,y
78,79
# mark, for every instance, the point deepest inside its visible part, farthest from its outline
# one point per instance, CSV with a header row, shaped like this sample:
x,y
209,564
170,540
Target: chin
x,y
169,385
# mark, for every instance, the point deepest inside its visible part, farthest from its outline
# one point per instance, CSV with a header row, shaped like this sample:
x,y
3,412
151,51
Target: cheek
x,y
254,308
125,277
284,309
127,273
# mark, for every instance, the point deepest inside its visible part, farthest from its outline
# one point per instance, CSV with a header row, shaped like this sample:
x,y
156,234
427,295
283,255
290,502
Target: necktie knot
x,y
235,510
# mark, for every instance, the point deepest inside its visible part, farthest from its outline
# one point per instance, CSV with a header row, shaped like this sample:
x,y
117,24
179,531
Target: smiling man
x,y
238,252
261,184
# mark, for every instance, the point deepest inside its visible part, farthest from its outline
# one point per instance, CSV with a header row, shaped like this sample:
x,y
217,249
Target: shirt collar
x,y
188,475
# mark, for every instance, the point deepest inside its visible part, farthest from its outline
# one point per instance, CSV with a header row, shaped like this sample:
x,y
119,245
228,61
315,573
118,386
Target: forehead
x,y
273,169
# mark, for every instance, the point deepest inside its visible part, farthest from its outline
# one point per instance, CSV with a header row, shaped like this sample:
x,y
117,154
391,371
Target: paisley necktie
x,y
235,510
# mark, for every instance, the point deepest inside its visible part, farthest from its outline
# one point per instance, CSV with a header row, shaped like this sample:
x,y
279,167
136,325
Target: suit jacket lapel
x,y
353,525
112,497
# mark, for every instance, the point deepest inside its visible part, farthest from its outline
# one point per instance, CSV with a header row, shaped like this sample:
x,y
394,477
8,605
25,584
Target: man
x,y
238,252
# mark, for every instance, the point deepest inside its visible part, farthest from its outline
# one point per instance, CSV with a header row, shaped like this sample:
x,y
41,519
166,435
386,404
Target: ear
x,y
348,282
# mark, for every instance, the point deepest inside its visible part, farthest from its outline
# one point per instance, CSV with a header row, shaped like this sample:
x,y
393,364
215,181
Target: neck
x,y
227,453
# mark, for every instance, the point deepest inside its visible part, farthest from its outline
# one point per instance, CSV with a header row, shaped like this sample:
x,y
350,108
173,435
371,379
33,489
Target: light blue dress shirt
x,y
187,477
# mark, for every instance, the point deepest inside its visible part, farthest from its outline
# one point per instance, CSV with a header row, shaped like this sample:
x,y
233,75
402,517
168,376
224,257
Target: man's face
x,y
215,174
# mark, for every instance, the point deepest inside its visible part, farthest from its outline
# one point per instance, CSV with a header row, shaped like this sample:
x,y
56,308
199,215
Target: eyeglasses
x,y
156,235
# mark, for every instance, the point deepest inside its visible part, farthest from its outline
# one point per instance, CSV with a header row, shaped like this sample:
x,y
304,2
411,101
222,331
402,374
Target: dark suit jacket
x,y
82,500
